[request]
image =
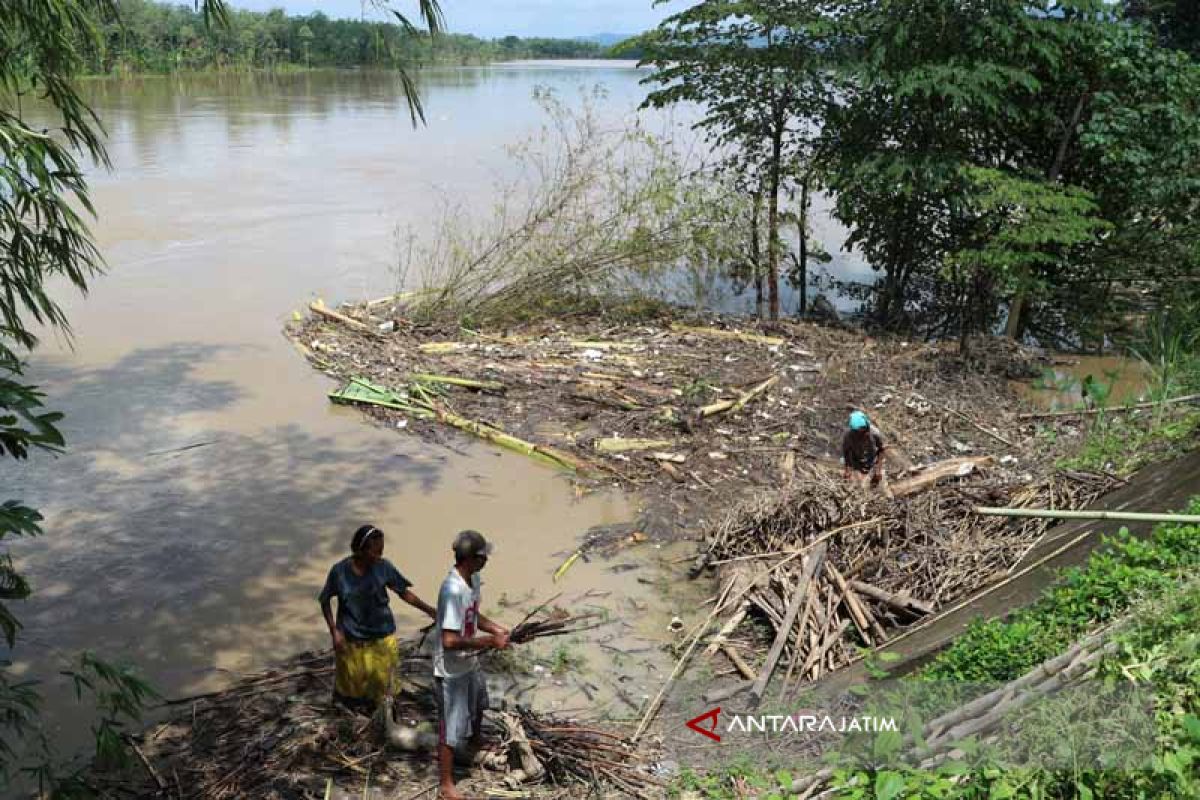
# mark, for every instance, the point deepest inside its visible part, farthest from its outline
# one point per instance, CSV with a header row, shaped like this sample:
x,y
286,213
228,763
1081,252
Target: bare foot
x,y
449,792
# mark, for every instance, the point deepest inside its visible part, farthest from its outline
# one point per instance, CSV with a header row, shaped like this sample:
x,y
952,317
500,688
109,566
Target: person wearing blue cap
x,y
863,450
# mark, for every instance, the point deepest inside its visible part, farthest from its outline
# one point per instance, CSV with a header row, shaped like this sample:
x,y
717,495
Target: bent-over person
x,y
863,451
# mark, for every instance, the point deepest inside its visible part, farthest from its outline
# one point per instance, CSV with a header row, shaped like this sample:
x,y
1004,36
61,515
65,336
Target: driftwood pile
x,y
272,735
829,568
570,753
689,410
279,735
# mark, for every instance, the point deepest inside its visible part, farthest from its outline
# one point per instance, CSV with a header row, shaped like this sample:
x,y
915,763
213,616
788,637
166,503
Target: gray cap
x,y
470,543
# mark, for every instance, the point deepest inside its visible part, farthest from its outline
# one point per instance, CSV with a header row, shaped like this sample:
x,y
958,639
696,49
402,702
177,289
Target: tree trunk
x,y
773,218
756,253
802,224
1012,328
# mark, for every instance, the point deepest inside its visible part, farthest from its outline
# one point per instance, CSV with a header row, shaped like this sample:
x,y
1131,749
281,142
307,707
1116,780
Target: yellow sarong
x,y
367,669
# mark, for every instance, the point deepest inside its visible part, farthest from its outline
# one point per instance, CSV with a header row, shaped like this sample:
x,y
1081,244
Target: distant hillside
x,y
605,39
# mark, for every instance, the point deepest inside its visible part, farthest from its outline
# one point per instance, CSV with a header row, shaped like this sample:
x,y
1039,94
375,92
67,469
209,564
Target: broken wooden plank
x,y
950,468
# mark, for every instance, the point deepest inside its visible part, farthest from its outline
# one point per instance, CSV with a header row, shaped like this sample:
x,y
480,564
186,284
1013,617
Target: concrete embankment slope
x,y
1163,487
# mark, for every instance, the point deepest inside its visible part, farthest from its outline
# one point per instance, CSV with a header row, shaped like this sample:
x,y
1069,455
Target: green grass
x,y
1116,576
1123,444
567,657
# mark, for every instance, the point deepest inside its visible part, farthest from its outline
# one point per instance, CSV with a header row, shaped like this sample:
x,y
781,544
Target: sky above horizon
x,y
495,18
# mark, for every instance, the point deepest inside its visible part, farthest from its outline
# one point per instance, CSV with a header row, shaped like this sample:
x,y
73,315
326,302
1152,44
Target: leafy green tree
x,y
306,37
1085,130
1176,23
42,238
757,69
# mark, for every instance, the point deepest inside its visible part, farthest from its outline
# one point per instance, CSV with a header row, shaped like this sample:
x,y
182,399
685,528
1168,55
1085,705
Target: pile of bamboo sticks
x,y
941,737
573,753
867,566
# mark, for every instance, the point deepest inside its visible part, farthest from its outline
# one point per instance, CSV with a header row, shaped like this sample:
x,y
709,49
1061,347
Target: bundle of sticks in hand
x,y
556,622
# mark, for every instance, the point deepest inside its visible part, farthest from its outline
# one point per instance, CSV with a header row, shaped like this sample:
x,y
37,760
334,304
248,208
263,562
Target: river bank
x,y
724,431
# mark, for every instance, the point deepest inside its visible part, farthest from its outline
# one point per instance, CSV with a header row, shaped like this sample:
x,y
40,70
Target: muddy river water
x,y
209,483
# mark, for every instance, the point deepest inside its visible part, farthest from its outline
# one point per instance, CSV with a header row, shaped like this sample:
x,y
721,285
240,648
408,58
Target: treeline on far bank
x,y
146,36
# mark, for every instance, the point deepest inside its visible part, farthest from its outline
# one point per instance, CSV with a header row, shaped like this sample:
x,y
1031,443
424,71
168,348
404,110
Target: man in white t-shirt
x,y
459,685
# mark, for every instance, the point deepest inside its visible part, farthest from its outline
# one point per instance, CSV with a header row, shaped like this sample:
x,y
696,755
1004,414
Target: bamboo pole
x,y
902,601
497,437
724,602
436,348
738,662
1050,513
621,445
427,408
319,307
740,403
801,599
606,345
857,612
467,383
1187,398
741,336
